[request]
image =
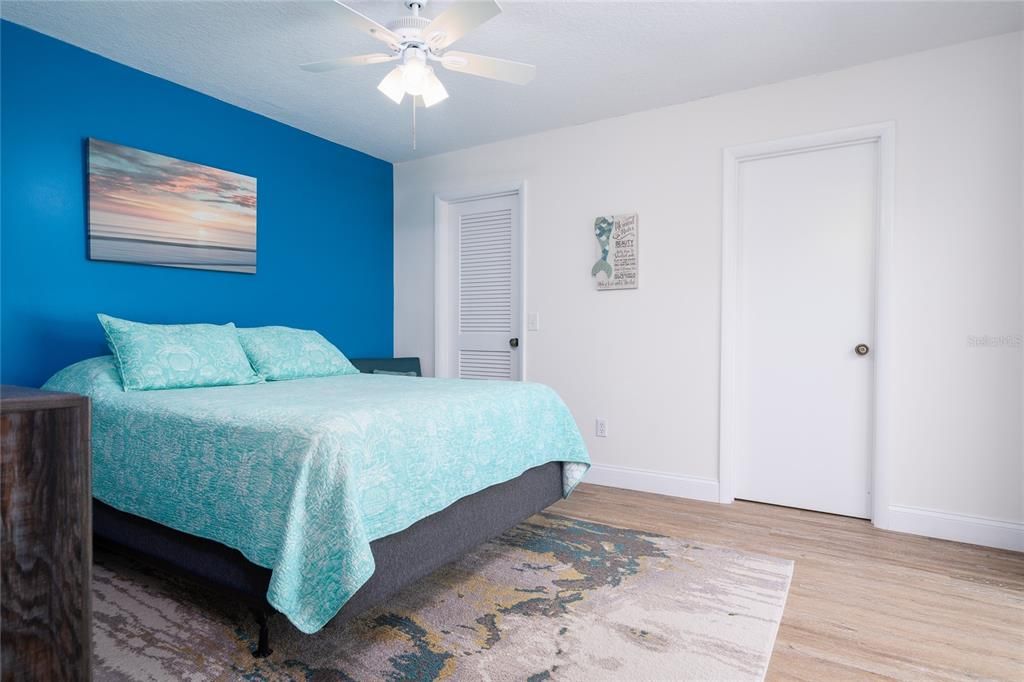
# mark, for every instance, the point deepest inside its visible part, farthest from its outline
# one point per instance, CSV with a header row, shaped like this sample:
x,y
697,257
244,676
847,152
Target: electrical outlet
x,y
600,428
533,322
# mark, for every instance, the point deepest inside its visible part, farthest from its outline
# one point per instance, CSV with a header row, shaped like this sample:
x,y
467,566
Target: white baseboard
x,y
975,530
692,487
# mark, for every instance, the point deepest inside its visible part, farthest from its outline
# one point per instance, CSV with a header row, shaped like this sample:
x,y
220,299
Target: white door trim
x,y
442,263
732,306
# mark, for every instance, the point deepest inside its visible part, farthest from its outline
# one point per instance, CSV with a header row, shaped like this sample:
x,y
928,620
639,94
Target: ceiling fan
x,y
418,42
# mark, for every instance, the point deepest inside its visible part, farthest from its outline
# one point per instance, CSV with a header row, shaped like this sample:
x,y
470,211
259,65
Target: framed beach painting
x,y
157,210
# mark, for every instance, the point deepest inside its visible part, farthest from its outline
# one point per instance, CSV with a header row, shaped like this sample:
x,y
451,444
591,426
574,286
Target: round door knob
x,y
862,349
514,343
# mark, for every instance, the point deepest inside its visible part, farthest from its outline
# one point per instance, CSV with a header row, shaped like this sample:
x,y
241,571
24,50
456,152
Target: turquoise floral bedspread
x,y
302,475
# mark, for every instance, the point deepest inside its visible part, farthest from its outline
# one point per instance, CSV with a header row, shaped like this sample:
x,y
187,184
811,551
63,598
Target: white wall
x,y
654,373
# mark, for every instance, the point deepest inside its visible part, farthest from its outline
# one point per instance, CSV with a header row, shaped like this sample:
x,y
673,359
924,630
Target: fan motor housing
x,y
409,28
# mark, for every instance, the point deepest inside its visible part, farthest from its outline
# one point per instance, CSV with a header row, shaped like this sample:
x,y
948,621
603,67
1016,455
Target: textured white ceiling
x,y
595,59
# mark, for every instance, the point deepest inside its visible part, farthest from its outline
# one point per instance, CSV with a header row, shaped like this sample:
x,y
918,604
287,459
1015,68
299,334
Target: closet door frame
x,y
444,311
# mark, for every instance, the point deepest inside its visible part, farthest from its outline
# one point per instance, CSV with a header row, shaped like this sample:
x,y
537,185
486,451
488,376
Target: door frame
x,y
444,307
733,313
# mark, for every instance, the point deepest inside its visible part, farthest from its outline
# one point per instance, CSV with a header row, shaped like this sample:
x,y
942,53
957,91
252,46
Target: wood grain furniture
x,y
46,550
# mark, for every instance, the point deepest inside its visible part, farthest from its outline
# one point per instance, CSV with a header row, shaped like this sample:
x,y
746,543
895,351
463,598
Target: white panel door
x,y
486,243
807,230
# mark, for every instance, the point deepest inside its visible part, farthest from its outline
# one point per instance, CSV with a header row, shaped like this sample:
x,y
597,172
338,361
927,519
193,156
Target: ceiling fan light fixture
x,y
414,78
414,72
433,90
393,85
418,41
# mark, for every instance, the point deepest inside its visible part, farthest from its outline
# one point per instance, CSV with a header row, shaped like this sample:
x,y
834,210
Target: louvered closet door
x,y
488,313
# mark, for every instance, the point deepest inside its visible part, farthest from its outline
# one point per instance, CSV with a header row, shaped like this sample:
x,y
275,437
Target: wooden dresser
x,y
46,547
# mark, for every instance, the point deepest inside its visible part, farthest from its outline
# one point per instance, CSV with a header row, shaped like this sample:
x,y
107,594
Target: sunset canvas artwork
x,y
157,210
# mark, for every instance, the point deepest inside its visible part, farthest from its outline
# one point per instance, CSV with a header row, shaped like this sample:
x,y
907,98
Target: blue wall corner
x,y
324,230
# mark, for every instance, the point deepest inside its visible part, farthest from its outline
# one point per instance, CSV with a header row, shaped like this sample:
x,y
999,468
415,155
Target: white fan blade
x,y
360,60
458,20
489,67
365,24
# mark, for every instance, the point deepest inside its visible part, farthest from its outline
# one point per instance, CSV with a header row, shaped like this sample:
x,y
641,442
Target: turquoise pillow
x,y
155,356
282,353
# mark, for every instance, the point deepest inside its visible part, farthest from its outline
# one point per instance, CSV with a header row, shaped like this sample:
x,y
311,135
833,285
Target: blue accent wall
x,y
324,216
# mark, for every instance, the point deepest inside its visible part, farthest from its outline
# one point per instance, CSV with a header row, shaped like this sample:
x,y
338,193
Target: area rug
x,y
553,599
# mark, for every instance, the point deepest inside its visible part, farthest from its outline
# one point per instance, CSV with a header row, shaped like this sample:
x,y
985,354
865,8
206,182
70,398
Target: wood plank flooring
x,y
864,603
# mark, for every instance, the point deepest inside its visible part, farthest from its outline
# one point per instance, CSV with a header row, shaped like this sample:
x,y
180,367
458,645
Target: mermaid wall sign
x,y
618,242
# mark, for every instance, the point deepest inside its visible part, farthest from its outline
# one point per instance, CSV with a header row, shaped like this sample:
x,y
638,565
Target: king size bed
x,y
319,497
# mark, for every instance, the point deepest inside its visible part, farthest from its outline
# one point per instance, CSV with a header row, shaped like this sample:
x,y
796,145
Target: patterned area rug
x,y
553,599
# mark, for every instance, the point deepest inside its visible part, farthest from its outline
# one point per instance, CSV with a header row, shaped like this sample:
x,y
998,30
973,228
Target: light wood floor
x,y
864,603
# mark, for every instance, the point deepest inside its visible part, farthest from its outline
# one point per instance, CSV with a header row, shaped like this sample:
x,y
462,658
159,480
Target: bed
x,y
320,497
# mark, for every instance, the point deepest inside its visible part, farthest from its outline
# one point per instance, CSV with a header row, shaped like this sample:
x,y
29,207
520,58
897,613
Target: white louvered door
x,y
487,303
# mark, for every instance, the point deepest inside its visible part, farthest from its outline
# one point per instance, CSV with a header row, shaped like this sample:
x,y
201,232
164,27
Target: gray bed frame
x,y
401,558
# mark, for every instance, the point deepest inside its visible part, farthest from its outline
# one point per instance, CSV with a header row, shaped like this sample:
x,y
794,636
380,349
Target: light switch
x,y
533,322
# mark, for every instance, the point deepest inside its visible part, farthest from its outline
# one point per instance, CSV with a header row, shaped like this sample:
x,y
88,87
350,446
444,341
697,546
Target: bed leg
x,y
263,646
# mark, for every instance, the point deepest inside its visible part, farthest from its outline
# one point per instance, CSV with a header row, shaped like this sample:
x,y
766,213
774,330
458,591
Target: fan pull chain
x,y
413,123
